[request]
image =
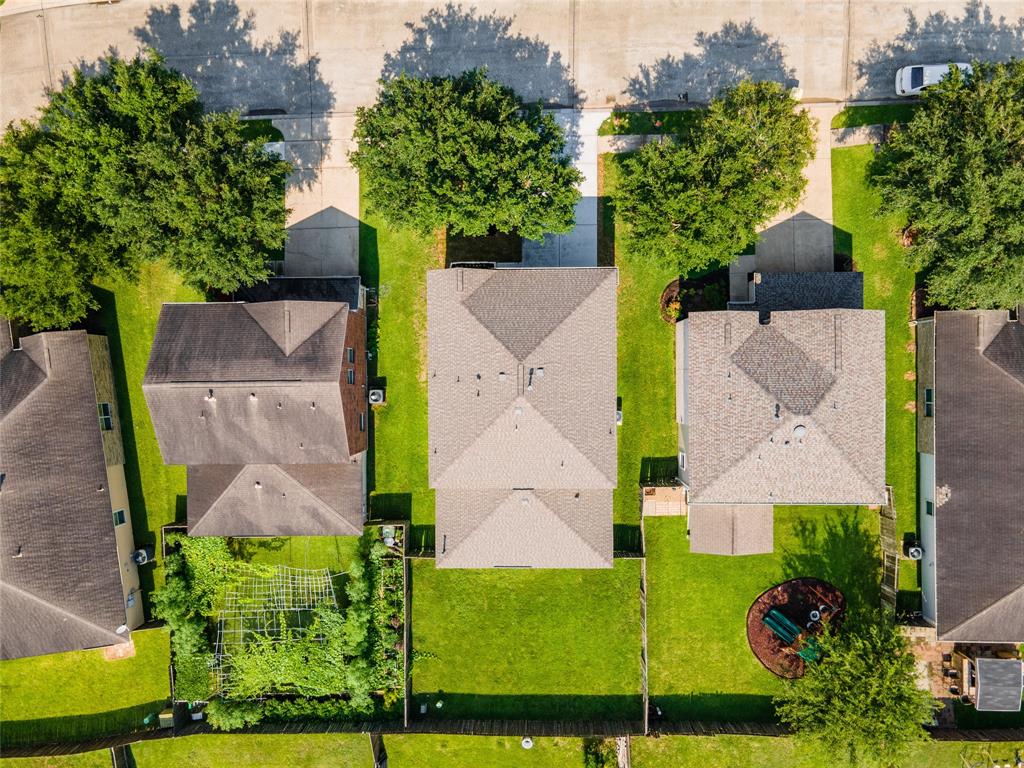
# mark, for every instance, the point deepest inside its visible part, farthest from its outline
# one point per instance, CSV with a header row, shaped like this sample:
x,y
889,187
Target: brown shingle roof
x,y
787,412
731,529
59,568
979,463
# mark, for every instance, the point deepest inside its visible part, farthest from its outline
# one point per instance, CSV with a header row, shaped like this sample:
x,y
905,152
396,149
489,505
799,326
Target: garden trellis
x,y
279,606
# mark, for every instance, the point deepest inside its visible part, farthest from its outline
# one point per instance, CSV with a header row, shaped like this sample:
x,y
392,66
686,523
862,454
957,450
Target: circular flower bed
x,y
805,603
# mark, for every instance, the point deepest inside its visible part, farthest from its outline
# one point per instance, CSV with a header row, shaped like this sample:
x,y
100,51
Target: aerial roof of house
x,y
791,410
731,529
527,528
778,291
275,499
1000,683
239,383
521,376
979,463
60,580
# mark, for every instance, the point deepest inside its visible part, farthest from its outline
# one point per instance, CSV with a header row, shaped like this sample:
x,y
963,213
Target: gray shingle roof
x,y
1000,684
779,291
274,370
276,500
979,524
494,425
525,528
788,412
59,568
731,529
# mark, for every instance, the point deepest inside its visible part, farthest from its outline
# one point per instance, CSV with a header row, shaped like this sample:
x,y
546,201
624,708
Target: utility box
x,y
167,718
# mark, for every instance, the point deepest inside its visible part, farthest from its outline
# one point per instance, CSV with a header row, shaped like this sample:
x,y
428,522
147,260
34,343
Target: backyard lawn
x,y
78,695
313,750
100,759
888,285
128,315
764,752
331,552
701,666
395,262
530,644
423,751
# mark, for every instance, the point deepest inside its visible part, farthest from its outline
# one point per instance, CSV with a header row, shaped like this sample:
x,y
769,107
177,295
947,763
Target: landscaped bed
x,y
527,644
80,695
267,639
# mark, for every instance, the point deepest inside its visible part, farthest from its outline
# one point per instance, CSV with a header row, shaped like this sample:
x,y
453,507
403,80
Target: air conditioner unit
x,y
143,555
376,397
915,553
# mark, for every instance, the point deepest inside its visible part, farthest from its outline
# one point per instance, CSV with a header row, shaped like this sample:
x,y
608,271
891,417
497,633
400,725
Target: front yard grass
x,y
308,750
701,667
80,695
874,114
395,262
627,123
98,759
527,644
128,315
874,245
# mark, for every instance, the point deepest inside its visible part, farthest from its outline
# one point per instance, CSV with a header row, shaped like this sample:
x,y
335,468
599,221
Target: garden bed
x,y
703,294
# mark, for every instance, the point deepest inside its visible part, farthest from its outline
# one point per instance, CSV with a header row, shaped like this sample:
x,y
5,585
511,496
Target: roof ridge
x,y
309,492
198,524
63,611
1017,591
550,513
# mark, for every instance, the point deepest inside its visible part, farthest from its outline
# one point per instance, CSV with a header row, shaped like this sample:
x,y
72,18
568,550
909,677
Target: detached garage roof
x,y
521,375
60,580
1000,685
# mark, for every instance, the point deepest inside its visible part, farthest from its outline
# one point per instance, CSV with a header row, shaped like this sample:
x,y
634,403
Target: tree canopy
x,y
956,173
123,167
859,703
464,153
697,201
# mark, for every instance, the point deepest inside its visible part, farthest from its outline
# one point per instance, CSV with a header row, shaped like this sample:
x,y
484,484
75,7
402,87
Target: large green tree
x,y
955,172
697,200
464,153
859,704
124,167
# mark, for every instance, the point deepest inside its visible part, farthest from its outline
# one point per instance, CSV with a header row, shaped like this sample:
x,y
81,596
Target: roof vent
x,y
519,411
764,317
777,415
20,552
540,373
209,395
257,485
502,376
524,500
312,406
799,431
252,396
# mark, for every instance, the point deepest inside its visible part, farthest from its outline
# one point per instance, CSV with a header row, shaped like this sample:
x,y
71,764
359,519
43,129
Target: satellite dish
x,y
122,629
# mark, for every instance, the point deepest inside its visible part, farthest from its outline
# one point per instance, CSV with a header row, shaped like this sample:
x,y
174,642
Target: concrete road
x,y
314,62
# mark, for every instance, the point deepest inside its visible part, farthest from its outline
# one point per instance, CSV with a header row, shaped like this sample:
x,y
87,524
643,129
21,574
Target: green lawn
x,y
78,695
100,759
531,644
874,114
888,284
261,129
396,263
647,437
312,750
626,123
701,666
764,752
128,314
478,751
331,552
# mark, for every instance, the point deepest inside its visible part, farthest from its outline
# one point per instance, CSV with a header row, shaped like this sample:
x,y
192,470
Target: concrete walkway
x,y
577,248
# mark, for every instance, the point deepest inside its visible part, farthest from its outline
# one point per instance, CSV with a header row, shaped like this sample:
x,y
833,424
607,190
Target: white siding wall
x,y
926,493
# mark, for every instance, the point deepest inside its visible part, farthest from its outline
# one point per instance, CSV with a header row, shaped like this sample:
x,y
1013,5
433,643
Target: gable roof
x,y
764,403
521,378
979,504
779,291
524,528
276,500
59,568
233,383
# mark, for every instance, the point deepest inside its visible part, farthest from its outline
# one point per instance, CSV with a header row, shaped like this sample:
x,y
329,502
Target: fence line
x,y
406,633
644,689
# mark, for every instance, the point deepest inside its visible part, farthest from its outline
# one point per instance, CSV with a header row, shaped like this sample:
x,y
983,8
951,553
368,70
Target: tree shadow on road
x,y
935,39
451,40
216,46
734,53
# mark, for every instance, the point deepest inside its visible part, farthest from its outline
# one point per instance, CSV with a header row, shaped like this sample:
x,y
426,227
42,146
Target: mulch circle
x,y
795,599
